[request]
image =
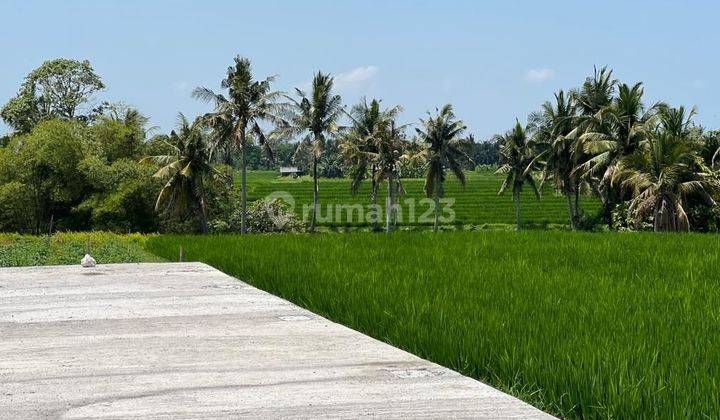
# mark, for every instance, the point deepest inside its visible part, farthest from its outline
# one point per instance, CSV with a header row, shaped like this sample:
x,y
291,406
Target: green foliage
x,y
69,248
633,337
54,90
666,171
45,163
186,172
270,216
485,152
15,206
122,197
79,176
116,140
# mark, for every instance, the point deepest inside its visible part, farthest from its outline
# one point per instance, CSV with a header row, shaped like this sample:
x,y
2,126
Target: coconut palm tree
x,y
315,119
518,161
596,92
442,137
389,146
554,123
360,143
612,133
237,118
187,171
665,171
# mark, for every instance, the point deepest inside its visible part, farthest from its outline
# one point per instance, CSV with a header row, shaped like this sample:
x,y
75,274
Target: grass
x,y
477,204
611,325
69,248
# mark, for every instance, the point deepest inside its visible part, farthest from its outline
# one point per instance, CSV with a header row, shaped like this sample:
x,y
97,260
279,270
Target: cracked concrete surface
x,y
187,341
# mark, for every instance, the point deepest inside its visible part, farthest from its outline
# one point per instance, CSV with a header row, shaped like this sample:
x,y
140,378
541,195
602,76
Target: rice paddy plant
x,y
611,325
476,204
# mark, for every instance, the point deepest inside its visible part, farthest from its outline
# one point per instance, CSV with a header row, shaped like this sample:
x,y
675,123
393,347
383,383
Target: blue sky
x,y
493,61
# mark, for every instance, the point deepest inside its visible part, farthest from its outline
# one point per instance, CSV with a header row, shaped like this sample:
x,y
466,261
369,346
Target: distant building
x,y
290,171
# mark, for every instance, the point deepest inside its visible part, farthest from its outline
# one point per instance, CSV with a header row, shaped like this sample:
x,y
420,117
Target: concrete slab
x,y
187,341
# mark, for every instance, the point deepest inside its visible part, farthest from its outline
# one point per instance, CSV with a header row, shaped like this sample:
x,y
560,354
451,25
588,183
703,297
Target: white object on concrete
x,y
184,340
88,261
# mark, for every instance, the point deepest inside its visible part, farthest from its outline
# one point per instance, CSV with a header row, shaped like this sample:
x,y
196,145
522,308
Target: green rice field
x,y
476,204
602,325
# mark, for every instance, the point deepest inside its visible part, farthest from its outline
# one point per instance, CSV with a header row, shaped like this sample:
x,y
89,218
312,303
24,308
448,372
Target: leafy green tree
x,y
665,171
315,119
187,171
442,137
56,89
237,118
518,163
121,195
15,203
120,134
45,164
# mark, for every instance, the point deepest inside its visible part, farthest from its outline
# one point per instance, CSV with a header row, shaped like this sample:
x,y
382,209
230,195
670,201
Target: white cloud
x,y
539,75
351,81
356,77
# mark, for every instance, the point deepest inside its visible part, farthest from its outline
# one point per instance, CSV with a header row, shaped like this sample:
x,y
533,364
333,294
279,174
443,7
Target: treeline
x,y
72,168
68,167
650,165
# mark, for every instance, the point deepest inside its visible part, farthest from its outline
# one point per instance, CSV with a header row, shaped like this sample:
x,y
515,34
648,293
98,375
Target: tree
x,y
236,119
360,143
120,195
665,171
442,137
56,89
120,133
518,162
615,131
315,119
554,122
187,172
596,92
44,166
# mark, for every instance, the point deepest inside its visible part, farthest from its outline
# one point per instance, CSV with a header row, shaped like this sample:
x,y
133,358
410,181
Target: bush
x,y
263,216
622,220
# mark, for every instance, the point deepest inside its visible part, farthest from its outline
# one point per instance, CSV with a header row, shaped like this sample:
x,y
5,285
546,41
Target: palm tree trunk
x,y
315,195
389,205
203,216
516,200
437,212
200,196
243,191
570,210
577,202
396,199
373,196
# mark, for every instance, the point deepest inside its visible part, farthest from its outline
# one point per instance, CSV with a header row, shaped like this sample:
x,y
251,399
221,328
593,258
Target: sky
x,y
493,60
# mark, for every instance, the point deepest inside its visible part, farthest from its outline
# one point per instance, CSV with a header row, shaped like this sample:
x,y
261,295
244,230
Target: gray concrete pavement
x,y
187,341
